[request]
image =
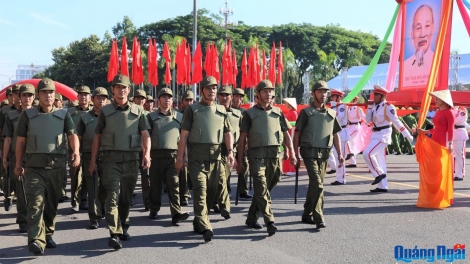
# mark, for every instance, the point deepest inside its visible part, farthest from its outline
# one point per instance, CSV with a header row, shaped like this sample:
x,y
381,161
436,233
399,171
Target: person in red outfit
x,y
444,120
291,116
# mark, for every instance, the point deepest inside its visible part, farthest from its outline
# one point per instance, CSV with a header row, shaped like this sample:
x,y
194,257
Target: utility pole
x,y
194,40
226,12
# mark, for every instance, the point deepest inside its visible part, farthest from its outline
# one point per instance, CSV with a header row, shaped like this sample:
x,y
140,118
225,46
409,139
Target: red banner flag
x,y
197,60
244,70
215,63
167,57
257,67
234,69
113,61
265,67
280,65
137,70
124,58
272,64
187,80
208,60
152,63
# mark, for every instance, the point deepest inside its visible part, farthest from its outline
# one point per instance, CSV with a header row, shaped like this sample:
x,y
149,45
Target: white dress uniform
x,y
383,116
355,115
342,115
459,142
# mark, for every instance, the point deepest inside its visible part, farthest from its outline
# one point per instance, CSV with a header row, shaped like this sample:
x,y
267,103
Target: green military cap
x,y
225,90
4,102
10,91
58,96
209,80
100,91
46,84
121,79
84,89
165,91
27,88
141,93
150,98
264,84
320,85
15,87
238,91
188,94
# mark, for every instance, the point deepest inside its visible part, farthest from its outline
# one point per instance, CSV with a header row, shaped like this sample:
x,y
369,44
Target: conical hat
x,y
291,101
445,96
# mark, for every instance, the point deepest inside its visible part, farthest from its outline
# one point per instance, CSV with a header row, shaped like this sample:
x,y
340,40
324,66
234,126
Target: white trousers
x,y
354,130
459,154
332,160
340,172
374,157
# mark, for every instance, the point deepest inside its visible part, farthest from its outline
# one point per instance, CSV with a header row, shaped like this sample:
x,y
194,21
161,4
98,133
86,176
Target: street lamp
x,y
9,79
226,12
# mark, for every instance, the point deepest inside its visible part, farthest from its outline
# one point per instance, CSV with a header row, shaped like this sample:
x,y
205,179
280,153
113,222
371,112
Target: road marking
x,y
399,183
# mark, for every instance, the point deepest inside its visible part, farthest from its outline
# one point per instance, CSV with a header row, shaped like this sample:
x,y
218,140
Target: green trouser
x,y
222,197
76,184
265,178
94,208
21,218
183,184
164,170
119,180
43,189
395,145
407,147
242,177
205,178
313,206
145,184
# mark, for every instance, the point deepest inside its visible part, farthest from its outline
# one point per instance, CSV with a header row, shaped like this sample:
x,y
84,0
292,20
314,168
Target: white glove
x,y
410,138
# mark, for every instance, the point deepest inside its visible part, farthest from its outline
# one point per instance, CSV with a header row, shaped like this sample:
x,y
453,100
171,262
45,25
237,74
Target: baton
x,y
23,191
296,183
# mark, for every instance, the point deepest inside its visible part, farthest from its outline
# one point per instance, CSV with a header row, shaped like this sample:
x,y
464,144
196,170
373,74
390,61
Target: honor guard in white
x,y
342,116
355,116
461,129
382,114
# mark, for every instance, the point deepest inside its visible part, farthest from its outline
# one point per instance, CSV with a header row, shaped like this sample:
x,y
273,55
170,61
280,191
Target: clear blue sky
x,y
31,29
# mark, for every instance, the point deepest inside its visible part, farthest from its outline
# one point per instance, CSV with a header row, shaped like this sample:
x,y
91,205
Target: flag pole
x,y
194,39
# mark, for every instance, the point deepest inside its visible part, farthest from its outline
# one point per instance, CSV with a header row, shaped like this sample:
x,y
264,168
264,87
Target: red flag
x,y
124,58
137,71
197,60
167,57
208,60
235,70
244,71
272,64
265,67
215,63
178,65
152,63
280,65
113,62
225,65
257,66
251,79
188,65
155,51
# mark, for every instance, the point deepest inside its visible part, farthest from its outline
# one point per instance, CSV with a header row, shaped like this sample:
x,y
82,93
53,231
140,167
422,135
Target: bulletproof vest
x,y
165,130
6,109
75,113
13,116
45,132
318,132
122,128
208,124
90,122
234,119
265,127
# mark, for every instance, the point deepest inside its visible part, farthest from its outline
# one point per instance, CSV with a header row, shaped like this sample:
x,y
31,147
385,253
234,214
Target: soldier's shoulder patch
x,y
392,111
341,109
387,103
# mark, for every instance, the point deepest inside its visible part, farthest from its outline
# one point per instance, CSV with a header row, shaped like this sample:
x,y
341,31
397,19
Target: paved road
x,y
361,227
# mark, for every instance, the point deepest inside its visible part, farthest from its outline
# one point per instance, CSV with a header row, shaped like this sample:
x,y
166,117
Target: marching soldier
x,y
355,117
205,126
86,133
58,101
10,182
383,115
6,104
165,124
460,141
40,143
121,133
140,98
342,116
78,186
409,122
185,180
316,131
265,128
149,103
26,93
238,96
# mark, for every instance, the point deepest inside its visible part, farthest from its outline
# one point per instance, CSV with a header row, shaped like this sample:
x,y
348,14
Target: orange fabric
x,y
436,188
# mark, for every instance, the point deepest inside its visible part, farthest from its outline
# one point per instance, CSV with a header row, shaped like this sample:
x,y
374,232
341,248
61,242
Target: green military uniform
x,y
78,186
144,177
242,176
316,128
165,137
410,121
265,128
206,125
120,129
11,123
395,146
185,181
45,157
5,109
86,131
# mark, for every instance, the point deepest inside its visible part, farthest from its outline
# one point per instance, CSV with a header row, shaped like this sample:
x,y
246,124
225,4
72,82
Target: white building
x,y
26,72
